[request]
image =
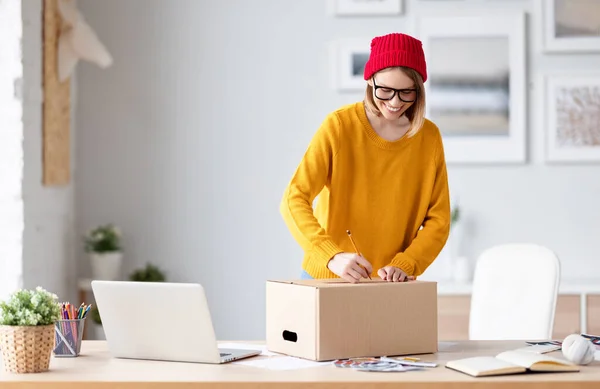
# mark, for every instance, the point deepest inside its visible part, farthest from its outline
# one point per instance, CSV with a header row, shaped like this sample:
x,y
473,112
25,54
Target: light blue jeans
x,y
305,276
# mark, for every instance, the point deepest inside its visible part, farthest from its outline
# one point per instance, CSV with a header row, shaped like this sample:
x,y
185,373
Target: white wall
x,y
188,141
36,222
48,237
11,151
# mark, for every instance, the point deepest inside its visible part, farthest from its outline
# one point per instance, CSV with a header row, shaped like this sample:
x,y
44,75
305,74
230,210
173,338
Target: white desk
x,y
96,369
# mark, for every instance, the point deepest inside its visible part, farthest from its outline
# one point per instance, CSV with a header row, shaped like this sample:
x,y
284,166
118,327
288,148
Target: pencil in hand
x,y
357,252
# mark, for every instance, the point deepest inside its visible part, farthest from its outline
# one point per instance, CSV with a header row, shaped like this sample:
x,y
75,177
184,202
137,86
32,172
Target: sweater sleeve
x,y
307,182
430,239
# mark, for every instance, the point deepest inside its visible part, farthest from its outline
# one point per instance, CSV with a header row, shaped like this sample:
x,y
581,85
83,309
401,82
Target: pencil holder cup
x,y
68,335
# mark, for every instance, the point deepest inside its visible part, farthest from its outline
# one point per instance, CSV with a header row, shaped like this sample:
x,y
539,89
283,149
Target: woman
x,y
378,168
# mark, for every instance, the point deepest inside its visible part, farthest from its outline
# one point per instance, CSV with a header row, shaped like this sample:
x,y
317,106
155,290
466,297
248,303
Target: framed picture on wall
x,y
368,7
476,85
571,116
350,57
570,25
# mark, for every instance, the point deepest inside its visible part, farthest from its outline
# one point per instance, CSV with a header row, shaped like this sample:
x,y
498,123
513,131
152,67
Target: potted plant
x,y
150,273
27,320
103,245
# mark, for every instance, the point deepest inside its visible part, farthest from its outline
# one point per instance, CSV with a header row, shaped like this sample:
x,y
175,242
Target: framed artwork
x,y
56,122
570,25
571,116
350,57
476,88
368,7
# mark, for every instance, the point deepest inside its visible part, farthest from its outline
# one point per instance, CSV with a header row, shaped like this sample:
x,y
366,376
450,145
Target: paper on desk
x,y
246,346
540,348
281,363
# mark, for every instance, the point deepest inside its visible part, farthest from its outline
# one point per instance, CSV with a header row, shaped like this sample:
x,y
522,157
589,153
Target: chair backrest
x,y
515,287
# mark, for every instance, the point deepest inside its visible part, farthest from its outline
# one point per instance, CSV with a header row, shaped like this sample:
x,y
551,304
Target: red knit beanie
x,y
396,50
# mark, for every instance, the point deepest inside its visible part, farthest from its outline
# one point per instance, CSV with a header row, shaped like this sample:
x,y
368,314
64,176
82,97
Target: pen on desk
x,y
356,249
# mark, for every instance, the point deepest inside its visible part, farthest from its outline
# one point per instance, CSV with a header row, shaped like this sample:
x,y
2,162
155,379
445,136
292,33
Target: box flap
x,y
294,282
319,283
339,282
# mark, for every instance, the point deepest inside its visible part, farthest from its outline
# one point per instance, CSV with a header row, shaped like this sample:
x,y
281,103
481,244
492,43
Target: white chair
x,y
515,287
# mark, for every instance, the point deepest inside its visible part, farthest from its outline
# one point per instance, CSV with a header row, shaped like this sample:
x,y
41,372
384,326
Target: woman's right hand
x,y
348,266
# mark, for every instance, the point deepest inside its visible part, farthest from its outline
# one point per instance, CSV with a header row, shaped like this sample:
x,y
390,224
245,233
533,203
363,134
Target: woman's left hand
x,y
394,274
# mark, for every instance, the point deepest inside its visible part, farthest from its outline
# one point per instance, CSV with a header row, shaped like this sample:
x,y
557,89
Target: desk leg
x,y
583,313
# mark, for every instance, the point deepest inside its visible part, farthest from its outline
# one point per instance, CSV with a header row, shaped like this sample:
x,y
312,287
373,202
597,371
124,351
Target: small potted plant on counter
x,y
150,273
27,320
103,245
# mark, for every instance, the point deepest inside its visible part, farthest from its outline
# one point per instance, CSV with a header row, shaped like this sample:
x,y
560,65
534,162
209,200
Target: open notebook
x,y
510,362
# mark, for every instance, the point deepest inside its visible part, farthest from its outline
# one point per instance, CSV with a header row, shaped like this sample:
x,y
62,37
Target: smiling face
x,y
400,93
394,92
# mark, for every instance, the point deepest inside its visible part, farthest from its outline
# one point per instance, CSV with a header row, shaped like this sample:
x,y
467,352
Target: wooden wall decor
x,y
56,127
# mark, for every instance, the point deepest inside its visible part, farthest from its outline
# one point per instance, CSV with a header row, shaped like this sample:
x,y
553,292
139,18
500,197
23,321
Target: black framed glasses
x,y
385,93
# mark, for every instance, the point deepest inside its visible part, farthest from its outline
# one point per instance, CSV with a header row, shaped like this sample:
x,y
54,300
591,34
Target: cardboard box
x,y
332,319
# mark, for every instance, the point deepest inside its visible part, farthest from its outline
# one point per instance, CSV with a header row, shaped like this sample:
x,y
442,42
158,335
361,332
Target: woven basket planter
x,y
26,349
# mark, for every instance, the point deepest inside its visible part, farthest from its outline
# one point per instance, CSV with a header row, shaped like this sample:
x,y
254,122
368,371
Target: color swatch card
x,y
376,365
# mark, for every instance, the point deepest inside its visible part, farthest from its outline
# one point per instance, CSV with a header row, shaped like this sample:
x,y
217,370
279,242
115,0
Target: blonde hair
x,y
416,112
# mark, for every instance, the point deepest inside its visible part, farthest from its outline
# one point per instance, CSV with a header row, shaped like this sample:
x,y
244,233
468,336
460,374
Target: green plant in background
x,y
30,308
103,239
455,215
95,315
150,273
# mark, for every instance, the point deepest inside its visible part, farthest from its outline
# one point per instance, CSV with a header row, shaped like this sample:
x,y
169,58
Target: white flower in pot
x,y
27,320
103,244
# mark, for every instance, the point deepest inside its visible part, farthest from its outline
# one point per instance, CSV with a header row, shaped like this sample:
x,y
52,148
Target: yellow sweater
x,y
382,191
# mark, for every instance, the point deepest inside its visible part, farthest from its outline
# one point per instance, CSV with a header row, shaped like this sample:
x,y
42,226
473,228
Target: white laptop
x,y
160,321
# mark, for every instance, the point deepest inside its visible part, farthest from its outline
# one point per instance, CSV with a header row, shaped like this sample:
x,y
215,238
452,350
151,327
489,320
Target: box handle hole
x,y
290,336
